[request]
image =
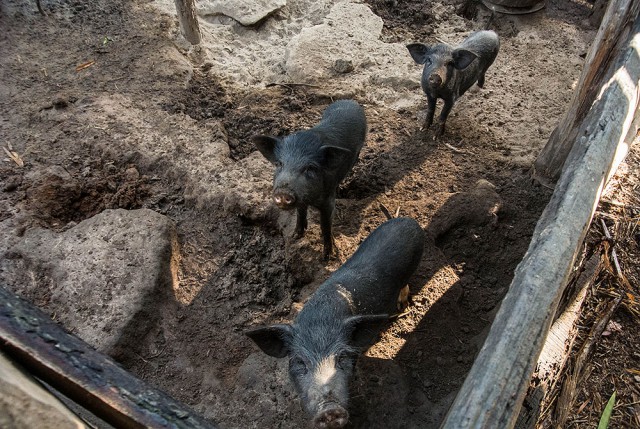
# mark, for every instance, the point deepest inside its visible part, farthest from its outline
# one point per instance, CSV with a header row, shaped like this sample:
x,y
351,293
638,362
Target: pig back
x,y
485,44
380,267
344,125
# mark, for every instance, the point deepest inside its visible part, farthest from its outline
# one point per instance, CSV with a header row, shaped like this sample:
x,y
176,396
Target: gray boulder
x,y
246,12
105,279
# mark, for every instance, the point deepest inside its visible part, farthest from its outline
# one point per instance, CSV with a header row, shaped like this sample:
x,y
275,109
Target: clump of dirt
x,y
205,98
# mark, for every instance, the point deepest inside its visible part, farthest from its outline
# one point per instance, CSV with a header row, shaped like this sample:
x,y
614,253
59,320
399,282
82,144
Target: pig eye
x,y
346,361
311,171
427,61
278,164
298,366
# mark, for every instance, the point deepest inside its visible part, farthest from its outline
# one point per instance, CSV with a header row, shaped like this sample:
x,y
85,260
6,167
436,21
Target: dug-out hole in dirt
x,y
58,195
278,110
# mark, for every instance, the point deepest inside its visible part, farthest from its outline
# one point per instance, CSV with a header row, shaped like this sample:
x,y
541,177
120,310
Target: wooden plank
x,y
492,393
188,21
609,42
558,347
91,379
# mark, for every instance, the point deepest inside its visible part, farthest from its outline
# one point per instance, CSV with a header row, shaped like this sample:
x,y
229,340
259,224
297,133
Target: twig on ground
x,y
85,65
291,84
569,388
455,149
614,255
40,8
386,211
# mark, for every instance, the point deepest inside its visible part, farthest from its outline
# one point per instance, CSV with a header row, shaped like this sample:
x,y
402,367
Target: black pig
x,y
311,164
340,319
449,72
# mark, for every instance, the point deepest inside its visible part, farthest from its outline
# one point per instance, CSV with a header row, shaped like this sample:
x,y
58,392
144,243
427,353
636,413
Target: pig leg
x,y
326,215
481,81
448,104
431,110
301,222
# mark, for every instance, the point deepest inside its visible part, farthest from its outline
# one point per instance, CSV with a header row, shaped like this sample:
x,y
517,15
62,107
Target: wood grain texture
x,y
188,21
609,43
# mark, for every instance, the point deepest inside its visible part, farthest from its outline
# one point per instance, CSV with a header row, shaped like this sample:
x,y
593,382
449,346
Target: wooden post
x,y
609,42
188,21
84,375
492,394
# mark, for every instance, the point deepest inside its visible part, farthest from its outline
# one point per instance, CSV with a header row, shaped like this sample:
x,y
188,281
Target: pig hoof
x,y
403,298
298,234
333,418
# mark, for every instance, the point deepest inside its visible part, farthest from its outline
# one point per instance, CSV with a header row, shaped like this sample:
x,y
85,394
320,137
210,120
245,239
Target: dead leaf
x,y
14,156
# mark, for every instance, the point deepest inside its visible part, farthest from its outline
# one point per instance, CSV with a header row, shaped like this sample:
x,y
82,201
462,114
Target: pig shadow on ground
x,y
470,249
398,392
383,163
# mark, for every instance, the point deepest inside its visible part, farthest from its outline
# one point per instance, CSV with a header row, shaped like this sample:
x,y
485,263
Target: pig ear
x,y
462,58
332,155
419,52
273,340
364,329
266,145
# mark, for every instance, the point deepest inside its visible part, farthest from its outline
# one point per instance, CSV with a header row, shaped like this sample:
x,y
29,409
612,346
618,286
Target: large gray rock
x,y
349,35
246,12
105,279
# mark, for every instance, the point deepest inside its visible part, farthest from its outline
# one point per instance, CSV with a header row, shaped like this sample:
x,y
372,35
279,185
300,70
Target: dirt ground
x,y
121,128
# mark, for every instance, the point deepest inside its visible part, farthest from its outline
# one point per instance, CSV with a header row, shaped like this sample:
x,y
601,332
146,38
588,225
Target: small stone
x,y
343,66
12,183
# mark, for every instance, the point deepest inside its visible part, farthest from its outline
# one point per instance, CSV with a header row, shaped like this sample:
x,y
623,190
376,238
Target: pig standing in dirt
x,y
311,164
449,72
341,318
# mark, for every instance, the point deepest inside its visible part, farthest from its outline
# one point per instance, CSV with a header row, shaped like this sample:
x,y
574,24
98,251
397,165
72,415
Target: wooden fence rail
x,y
89,378
493,391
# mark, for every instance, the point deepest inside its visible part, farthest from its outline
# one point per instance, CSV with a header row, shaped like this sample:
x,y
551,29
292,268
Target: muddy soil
x,y
106,135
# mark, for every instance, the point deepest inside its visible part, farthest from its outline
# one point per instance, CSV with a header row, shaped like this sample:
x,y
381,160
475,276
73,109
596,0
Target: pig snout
x,y
331,417
435,81
283,199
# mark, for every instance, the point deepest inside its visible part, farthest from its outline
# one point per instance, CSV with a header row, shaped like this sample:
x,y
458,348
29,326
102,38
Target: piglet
x,y
449,72
311,164
341,319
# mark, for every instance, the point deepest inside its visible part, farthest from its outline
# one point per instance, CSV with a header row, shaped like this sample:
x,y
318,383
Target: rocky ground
x,y
107,108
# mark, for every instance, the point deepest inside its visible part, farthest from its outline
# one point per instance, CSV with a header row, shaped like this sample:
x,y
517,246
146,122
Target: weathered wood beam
x,y
188,21
609,42
492,394
91,379
557,348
